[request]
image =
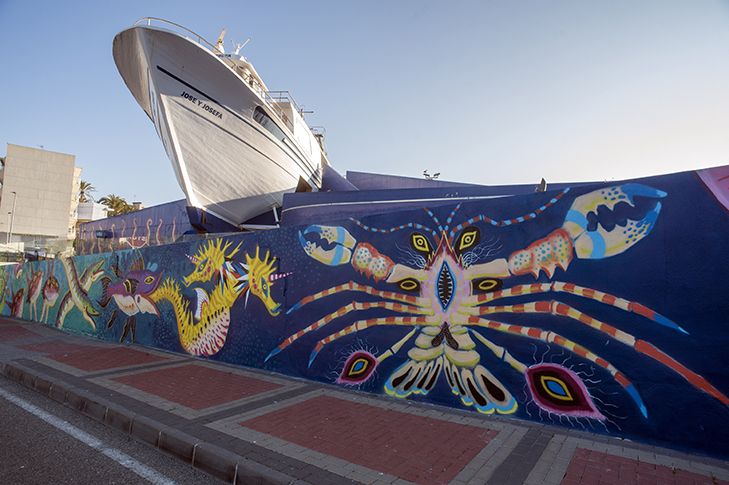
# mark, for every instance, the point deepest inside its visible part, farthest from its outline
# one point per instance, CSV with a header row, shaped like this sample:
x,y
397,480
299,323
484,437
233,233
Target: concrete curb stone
x,y
145,430
42,385
119,420
58,393
177,443
205,456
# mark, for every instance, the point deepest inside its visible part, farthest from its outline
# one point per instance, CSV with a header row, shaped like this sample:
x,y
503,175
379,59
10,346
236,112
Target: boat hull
x,y
225,162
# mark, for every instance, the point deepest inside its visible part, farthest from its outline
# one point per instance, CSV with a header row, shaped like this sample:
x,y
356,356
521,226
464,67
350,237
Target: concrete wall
x,y
46,184
603,308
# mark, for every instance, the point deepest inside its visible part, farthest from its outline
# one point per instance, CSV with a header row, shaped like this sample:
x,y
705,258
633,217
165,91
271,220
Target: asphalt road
x,y
32,451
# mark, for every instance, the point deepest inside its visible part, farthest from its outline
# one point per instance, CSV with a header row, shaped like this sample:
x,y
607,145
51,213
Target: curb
x,y
205,456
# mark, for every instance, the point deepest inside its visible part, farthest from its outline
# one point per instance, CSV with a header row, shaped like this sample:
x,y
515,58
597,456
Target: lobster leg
x,y
559,286
352,286
554,338
641,346
560,309
501,353
396,348
354,306
364,324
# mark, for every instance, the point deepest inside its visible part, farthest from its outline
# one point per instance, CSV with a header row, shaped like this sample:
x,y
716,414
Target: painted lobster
x,y
448,297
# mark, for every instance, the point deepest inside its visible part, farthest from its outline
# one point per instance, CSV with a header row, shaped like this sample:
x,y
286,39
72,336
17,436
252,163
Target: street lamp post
x,y
12,217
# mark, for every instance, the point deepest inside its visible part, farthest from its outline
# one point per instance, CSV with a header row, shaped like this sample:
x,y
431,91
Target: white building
x,y
91,211
38,197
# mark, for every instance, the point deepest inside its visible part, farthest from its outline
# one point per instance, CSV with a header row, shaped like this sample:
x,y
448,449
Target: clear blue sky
x,y
490,92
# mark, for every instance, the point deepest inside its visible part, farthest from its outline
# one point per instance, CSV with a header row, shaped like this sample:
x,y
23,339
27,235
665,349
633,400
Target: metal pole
x,y
7,234
12,218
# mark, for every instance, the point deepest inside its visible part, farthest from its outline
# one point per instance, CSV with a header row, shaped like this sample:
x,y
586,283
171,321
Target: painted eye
x,y
468,239
358,368
484,285
149,280
556,388
264,285
420,243
409,284
559,390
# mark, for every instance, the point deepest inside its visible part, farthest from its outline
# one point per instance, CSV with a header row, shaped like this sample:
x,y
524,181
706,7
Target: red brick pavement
x,y
590,467
96,359
15,332
415,448
196,386
55,347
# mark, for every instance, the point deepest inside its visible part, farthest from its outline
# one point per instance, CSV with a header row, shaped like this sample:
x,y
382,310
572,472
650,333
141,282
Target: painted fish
x,y
131,292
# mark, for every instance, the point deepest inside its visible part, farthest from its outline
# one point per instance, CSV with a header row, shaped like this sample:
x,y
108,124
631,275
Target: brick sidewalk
x,y
250,426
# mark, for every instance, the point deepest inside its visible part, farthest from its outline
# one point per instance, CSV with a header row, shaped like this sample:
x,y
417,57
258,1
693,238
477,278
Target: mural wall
x,y
152,226
603,308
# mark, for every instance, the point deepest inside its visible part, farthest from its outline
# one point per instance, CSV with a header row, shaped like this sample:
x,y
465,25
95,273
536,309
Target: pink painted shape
x,y
590,410
717,181
363,376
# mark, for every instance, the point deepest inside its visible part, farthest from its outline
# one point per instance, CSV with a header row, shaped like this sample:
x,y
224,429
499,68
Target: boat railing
x,y
187,32
272,98
276,98
318,131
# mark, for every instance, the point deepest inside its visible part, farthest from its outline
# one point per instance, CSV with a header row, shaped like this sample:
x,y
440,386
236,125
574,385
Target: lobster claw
x,y
339,244
609,221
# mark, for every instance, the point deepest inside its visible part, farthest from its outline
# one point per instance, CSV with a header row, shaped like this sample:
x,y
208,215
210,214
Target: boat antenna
x,y
219,44
238,46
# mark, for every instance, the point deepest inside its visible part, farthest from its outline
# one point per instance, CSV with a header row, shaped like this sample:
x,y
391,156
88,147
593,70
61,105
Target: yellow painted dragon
x,y
204,331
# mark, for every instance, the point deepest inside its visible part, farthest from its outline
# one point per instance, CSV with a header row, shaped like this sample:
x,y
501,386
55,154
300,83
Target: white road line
x,y
122,458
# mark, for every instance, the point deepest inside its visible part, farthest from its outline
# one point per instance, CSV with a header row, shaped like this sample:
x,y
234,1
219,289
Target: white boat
x,y
235,146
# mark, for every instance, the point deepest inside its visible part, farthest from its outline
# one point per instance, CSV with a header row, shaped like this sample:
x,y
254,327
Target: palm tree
x,y
116,204
85,189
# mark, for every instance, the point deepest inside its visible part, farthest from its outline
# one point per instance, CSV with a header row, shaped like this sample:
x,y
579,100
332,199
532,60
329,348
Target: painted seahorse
x,y
138,242
156,234
77,296
204,331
